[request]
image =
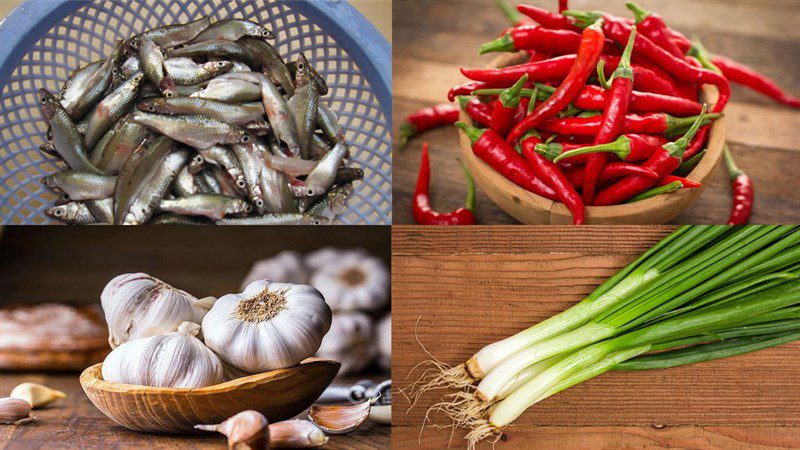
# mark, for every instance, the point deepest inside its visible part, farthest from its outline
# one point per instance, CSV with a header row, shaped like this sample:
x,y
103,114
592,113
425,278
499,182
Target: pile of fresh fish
x,y
196,123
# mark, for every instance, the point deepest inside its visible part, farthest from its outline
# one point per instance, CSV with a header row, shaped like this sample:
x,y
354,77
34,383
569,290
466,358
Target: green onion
x,y
702,293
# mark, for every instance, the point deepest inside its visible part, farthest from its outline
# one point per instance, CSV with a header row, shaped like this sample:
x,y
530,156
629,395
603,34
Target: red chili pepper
x,y
585,61
685,182
628,147
593,98
654,28
427,118
547,19
506,107
650,123
741,74
743,193
497,153
563,5
424,214
620,31
611,171
654,79
479,112
534,37
555,179
468,88
697,143
663,162
553,69
614,117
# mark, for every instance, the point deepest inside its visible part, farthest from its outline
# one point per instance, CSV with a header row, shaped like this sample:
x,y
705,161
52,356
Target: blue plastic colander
x,y
43,40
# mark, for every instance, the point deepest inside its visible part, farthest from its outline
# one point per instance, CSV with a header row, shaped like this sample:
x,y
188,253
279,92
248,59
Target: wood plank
x,y
455,290
74,423
612,438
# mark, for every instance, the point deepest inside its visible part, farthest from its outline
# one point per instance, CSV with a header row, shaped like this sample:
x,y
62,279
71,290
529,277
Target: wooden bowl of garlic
x,y
278,394
179,361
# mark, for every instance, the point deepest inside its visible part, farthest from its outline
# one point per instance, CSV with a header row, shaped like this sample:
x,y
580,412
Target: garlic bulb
x,y
137,305
383,337
268,326
328,255
351,281
177,360
350,342
285,267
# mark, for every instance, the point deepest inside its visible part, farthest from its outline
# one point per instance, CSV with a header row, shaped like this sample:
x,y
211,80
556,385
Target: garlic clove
x,y
36,395
296,434
245,431
340,419
381,414
205,303
14,411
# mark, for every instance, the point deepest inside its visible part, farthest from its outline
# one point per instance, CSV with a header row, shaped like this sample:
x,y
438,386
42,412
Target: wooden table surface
x,y
460,289
74,423
433,38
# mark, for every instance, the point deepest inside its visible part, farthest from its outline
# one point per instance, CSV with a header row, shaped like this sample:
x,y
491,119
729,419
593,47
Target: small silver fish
x,y
213,206
277,219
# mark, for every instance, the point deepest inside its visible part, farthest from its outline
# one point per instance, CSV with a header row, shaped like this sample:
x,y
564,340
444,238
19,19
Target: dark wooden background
x,y
458,289
433,38
73,264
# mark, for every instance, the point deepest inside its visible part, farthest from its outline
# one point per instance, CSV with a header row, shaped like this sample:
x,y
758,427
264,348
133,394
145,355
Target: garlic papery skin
x,y
268,326
354,281
383,338
246,431
137,305
176,360
285,267
14,411
296,434
349,341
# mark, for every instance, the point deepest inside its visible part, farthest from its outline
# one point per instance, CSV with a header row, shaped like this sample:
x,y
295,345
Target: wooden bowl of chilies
x,y
278,394
530,208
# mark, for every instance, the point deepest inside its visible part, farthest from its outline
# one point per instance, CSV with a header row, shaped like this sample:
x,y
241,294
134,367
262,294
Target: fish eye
x,y
59,212
151,108
198,159
317,222
248,208
259,203
301,66
310,192
44,99
245,138
168,94
240,183
220,64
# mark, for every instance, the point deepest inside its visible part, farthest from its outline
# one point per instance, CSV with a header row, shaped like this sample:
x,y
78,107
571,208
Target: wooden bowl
x,y
530,208
278,394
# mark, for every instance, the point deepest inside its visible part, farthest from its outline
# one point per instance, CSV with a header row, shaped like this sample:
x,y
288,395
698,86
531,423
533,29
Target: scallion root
x,y
463,408
483,431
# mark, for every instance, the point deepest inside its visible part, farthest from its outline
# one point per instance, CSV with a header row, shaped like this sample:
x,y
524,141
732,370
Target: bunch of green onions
x,y
702,293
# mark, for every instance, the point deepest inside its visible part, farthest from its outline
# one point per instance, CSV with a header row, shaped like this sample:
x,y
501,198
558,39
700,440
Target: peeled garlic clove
x,y
36,395
339,419
381,414
246,431
296,434
14,410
